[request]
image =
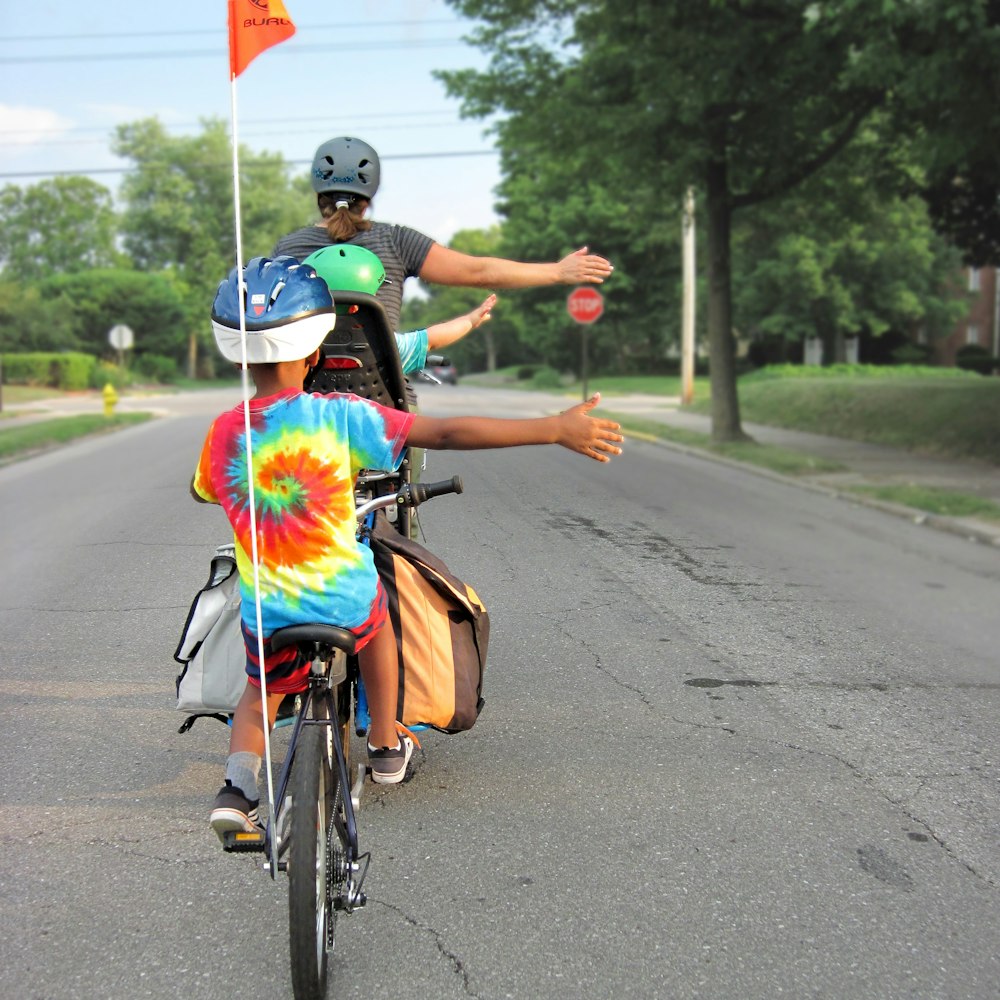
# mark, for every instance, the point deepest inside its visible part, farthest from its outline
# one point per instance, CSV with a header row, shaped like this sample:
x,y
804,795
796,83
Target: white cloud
x,y
21,128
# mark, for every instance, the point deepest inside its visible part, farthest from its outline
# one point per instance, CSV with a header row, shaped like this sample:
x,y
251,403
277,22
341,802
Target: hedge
x,y
64,370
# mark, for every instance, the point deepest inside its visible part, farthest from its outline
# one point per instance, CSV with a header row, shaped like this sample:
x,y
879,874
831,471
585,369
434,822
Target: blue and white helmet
x,y
288,311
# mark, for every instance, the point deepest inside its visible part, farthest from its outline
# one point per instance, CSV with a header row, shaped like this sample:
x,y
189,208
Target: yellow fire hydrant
x,y
110,398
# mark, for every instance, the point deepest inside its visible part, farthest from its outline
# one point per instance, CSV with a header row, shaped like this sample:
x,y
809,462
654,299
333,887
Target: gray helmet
x,y
345,165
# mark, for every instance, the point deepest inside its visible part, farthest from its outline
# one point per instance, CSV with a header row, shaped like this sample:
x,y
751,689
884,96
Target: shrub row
x,y
853,371
70,370
64,370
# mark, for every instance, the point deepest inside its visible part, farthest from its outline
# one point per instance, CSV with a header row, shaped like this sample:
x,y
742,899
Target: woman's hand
x,y
581,267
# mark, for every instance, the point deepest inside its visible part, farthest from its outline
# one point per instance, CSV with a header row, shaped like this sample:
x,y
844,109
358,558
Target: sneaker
x,y
389,763
232,811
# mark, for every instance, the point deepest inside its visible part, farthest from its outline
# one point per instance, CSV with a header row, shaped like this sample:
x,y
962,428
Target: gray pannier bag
x,y
211,646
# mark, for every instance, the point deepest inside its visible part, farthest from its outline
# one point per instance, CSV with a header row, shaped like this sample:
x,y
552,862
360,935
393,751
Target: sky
x,y
70,72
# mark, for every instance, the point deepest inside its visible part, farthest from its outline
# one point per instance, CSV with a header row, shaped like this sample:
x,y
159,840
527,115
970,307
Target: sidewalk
x,y
866,465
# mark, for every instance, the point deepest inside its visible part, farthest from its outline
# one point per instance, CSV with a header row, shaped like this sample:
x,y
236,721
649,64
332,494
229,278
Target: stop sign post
x,y
584,305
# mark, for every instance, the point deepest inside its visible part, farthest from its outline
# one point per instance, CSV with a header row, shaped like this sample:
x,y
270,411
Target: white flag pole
x,y
250,484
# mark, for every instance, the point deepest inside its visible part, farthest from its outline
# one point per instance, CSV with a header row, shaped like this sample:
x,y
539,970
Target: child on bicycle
x,y
307,450
350,268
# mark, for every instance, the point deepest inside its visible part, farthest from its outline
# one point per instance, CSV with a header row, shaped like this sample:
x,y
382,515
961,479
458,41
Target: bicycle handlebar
x,y
411,495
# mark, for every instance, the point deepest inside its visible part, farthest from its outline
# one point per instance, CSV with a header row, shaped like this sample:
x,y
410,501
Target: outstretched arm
x,y
443,334
574,429
445,266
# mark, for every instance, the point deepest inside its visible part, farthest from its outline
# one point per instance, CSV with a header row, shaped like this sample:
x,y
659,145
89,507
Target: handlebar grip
x,y
419,492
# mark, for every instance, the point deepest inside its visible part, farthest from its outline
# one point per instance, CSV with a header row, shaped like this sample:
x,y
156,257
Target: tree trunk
x,y
491,350
721,345
839,353
192,358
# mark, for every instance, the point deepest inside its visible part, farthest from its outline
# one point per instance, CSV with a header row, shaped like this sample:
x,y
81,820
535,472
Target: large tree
x,y
58,226
496,342
178,213
839,257
95,301
744,99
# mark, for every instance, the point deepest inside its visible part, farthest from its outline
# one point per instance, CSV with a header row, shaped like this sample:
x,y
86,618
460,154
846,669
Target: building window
x,y
972,334
974,279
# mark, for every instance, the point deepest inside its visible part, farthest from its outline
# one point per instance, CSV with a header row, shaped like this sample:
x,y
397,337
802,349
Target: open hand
x,y
481,314
583,268
591,436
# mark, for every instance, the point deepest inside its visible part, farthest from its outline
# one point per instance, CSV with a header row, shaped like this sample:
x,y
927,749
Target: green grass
x,y
954,417
935,500
608,385
26,393
30,438
782,460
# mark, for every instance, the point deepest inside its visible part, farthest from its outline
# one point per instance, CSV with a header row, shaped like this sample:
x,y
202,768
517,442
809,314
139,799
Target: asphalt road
x,y
740,740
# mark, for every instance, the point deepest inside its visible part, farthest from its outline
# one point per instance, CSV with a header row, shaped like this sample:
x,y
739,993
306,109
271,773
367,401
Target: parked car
x,y
447,373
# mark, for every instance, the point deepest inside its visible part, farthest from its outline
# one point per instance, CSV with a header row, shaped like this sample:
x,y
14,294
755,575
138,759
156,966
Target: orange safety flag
x,y
255,25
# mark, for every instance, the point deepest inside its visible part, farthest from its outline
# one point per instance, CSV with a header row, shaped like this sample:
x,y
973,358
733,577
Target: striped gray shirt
x,y
401,250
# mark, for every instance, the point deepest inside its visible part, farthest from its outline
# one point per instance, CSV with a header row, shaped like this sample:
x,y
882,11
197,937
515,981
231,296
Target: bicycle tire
x,y
314,784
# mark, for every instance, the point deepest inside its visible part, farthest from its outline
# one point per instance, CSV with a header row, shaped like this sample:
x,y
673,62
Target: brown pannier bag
x,y
442,633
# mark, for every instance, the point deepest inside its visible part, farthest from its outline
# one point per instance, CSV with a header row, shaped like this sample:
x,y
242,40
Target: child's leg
x,y
248,723
379,671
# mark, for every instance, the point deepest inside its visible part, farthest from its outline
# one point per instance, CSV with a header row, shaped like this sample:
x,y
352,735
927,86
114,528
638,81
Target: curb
x,y
971,532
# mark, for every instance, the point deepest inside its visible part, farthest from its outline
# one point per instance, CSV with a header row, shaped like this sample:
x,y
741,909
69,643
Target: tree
x,y
496,342
179,208
949,112
59,226
840,258
33,321
746,99
97,300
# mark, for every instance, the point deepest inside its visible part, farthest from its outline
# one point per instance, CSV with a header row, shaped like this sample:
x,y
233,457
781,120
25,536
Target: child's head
x,y
348,268
288,311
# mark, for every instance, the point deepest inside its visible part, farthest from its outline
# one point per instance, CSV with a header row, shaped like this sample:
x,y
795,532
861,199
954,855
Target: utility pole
x,y
687,308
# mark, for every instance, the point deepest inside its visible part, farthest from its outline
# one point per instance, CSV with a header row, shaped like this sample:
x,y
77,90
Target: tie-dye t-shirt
x,y
307,451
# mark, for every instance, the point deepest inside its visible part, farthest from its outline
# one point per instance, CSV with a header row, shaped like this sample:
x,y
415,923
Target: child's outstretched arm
x,y
574,429
443,334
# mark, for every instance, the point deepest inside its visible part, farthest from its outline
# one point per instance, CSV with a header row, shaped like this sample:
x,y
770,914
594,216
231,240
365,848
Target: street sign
x,y
585,304
120,337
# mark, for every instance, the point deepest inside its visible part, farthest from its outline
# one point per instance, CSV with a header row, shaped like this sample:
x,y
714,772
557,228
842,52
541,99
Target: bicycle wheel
x,y
315,865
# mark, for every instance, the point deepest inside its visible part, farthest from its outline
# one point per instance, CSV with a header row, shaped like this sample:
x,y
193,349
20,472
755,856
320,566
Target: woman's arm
x,y
444,266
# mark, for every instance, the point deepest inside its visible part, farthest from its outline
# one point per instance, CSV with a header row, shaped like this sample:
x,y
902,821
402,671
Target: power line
x,y
362,26
250,166
248,121
291,50
263,133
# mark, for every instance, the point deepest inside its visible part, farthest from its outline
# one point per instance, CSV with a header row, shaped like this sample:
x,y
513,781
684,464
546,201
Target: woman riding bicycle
x,y
345,176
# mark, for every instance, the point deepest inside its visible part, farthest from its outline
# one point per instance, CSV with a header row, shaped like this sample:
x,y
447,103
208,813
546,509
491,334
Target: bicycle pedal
x,y
359,784
238,842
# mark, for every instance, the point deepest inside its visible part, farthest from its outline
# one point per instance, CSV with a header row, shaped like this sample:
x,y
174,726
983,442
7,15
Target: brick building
x,y
981,325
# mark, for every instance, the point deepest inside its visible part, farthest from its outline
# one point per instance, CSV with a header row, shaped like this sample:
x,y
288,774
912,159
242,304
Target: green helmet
x,y
348,268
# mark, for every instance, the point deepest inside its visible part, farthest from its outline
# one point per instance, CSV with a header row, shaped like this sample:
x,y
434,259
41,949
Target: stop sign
x,y
585,305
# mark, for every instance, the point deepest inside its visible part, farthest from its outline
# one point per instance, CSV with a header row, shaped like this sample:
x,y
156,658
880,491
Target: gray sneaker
x,y
232,811
388,764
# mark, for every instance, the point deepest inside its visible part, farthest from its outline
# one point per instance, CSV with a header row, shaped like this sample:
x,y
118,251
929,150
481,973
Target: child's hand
x,y
481,313
591,436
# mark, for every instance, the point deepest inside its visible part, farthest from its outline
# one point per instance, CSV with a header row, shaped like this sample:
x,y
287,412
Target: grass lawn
x,y
30,438
952,417
935,500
